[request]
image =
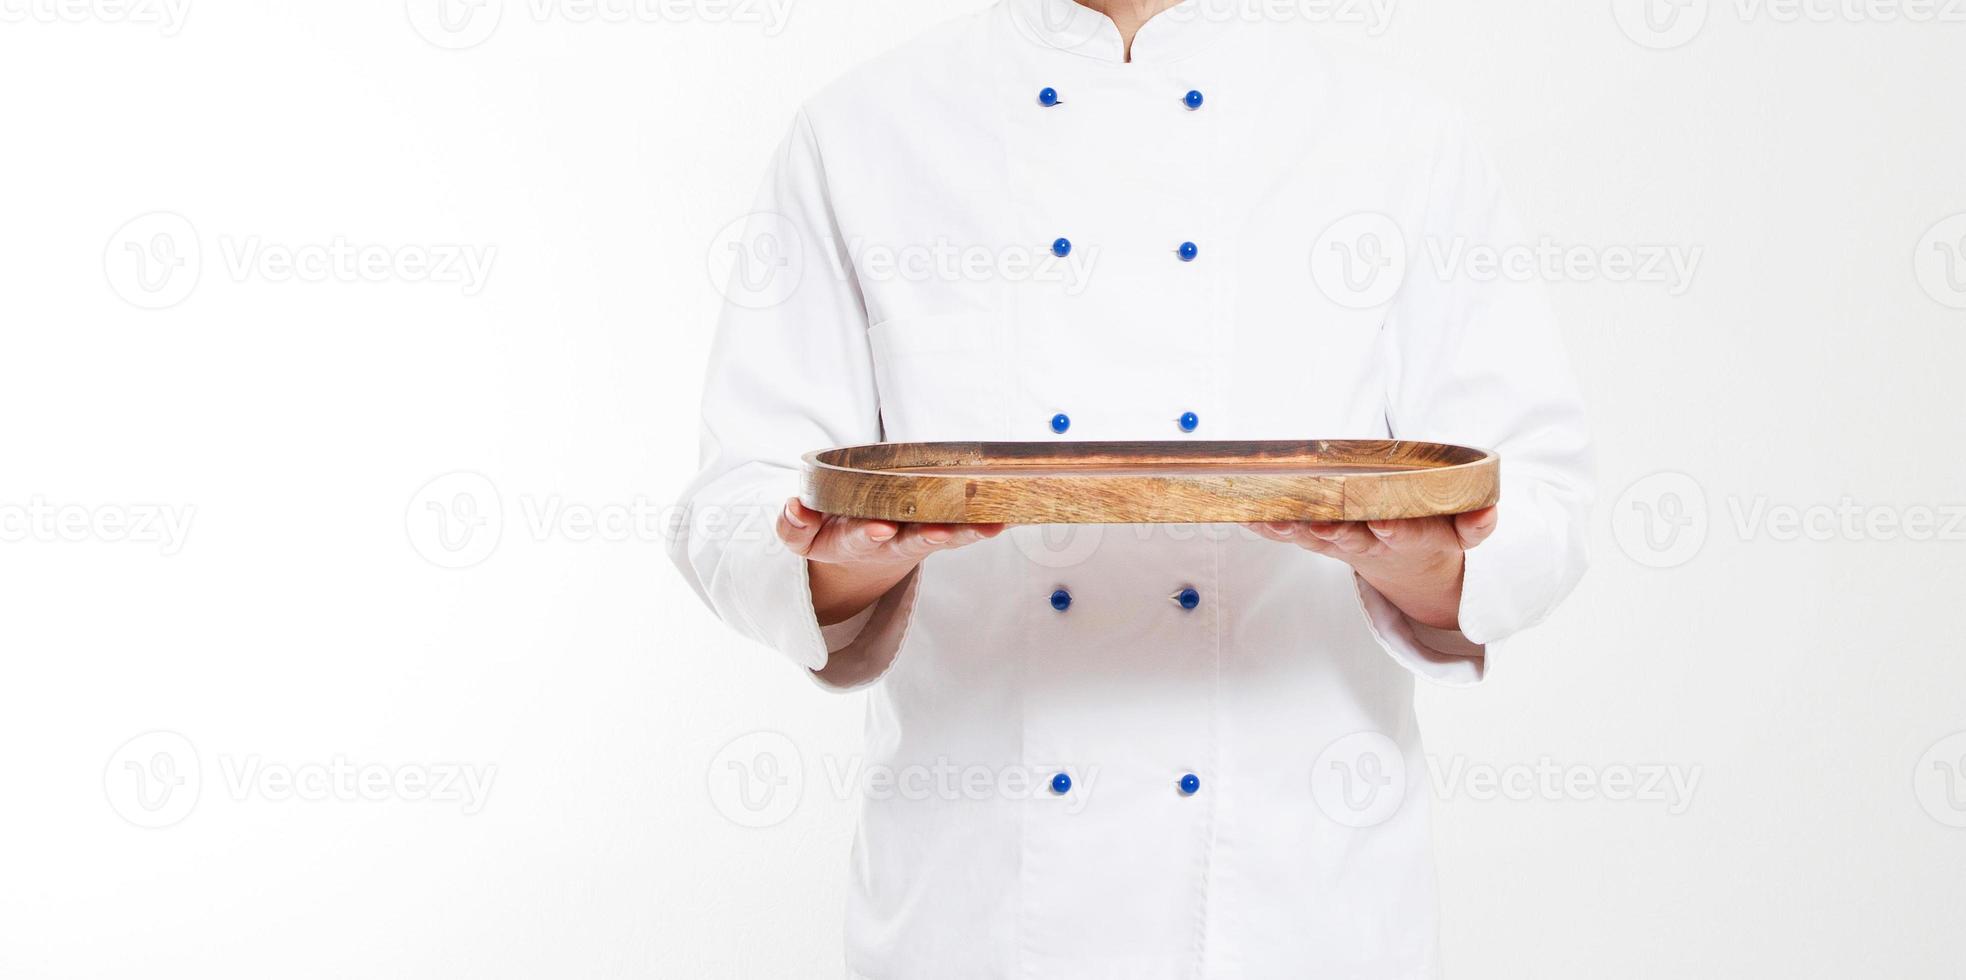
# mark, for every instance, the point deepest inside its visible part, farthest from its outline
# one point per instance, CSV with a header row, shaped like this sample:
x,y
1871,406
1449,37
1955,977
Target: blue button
x,y
1193,99
1188,598
1061,600
1061,784
1061,422
1062,247
1188,251
1189,784
1047,97
1189,421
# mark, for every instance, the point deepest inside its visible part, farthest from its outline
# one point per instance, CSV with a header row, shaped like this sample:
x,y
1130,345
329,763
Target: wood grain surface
x,y
1175,482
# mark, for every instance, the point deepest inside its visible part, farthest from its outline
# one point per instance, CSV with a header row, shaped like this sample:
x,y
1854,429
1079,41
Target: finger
x,y
798,526
1284,531
861,540
1293,532
1347,537
921,540
1474,527
1413,534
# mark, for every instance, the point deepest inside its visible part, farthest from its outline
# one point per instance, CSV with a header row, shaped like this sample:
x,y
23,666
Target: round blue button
x,y
1047,97
1061,422
1189,784
1062,247
1188,251
1189,421
1061,600
1061,784
1188,598
1192,99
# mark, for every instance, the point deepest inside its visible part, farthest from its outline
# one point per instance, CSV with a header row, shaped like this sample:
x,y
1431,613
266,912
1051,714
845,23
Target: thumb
x,y
1474,527
798,526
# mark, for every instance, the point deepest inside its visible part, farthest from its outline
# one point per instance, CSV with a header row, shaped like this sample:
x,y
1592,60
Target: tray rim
x,y
952,493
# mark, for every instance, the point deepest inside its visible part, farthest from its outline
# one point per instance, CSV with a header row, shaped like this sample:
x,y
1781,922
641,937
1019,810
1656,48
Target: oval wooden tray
x,y
1149,482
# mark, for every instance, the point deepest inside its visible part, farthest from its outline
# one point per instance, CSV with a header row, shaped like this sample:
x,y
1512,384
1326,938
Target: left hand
x,y
1415,563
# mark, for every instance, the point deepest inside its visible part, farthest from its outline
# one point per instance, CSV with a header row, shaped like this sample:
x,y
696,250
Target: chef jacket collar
x,y
1172,34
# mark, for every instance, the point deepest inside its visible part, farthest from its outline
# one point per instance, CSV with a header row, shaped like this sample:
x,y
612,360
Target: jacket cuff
x,y
866,652
1445,657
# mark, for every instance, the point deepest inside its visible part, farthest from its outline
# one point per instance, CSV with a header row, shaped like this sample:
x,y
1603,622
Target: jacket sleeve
x,y
790,372
1475,359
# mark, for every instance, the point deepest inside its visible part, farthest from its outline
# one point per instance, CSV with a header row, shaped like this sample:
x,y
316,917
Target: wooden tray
x,y
1149,482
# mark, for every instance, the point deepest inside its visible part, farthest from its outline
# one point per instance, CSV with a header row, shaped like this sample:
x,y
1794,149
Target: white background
x,y
1803,683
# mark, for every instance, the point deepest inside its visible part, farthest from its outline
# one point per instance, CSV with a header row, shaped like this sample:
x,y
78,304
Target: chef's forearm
x,y
841,591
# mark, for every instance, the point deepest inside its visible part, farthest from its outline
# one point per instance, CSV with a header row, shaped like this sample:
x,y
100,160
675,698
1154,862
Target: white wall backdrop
x,y
268,270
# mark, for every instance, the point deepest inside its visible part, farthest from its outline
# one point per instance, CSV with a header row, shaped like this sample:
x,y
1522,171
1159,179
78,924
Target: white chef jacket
x,y
1227,761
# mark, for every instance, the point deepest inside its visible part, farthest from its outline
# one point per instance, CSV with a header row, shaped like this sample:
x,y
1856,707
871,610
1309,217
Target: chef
x,y
1134,220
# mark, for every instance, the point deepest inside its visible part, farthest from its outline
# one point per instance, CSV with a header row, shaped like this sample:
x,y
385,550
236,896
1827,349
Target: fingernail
x,y
879,533
792,518
1283,529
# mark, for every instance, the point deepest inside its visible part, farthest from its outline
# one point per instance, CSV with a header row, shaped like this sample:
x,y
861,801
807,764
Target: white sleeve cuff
x,y
1443,656
845,631
859,651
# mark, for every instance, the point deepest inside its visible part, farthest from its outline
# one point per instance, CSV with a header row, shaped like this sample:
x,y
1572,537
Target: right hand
x,y
851,562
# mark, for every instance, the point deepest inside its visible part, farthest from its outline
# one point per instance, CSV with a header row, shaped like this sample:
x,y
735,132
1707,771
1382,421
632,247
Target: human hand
x,y
1417,563
852,561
